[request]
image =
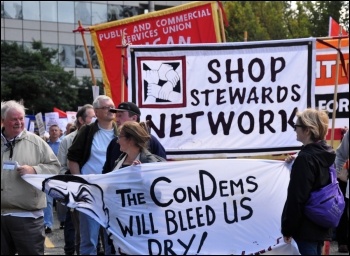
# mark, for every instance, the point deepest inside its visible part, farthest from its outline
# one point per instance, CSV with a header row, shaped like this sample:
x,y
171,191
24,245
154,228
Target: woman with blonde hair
x,y
133,139
310,171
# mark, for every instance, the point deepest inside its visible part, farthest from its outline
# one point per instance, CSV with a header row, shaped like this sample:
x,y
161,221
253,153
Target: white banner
x,y
224,99
220,207
51,118
40,123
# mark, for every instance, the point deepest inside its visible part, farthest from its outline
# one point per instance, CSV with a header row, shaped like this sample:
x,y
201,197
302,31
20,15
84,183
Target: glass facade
x,y
48,11
67,11
52,22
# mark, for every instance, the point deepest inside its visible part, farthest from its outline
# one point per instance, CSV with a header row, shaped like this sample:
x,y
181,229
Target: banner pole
x,y
222,21
335,104
95,88
122,79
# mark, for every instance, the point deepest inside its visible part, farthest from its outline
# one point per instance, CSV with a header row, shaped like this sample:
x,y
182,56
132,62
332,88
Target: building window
x,y
80,57
12,10
48,11
99,13
117,12
83,13
66,56
66,12
31,10
94,59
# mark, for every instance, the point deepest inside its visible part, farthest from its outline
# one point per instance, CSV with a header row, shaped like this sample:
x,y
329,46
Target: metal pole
x,y
150,6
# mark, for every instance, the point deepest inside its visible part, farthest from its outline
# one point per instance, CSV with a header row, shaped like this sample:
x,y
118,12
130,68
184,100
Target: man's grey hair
x,y
97,101
11,104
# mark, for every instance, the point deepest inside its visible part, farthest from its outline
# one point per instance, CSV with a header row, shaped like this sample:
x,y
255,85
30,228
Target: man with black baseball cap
x,y
127,106
128,111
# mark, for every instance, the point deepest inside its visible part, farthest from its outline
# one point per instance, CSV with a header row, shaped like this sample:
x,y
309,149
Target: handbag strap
x,y
332,173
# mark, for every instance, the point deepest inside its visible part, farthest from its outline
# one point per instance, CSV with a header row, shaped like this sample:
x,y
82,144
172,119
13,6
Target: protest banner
x,y
220,207
40,123
224,99
52,118
196,22
326,80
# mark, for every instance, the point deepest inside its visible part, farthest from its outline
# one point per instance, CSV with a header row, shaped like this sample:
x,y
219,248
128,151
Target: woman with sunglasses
x,y
310,171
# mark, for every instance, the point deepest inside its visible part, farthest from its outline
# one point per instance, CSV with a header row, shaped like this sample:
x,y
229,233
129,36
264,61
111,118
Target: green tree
x,y
242,19
273,20
344,18
319,13
29,76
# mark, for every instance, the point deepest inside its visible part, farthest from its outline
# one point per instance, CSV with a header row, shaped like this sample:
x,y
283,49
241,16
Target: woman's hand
x,y
289,159
136,162
287,239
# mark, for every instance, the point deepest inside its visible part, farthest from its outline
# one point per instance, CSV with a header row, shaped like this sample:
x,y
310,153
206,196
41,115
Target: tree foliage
x,y
274,20
28,75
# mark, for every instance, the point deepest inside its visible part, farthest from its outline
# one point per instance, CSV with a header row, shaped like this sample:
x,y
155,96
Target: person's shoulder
x,y
154,138
113,143
159,158
70,136
32,137
305,154
152,157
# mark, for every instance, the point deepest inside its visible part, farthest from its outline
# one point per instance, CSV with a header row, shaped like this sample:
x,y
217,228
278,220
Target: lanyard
x,y
11,145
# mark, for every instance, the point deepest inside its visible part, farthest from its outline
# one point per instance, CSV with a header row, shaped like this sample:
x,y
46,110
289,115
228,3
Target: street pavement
x,y
54,242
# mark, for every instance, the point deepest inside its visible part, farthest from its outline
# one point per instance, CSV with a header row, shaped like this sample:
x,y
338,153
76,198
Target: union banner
x,y
197,22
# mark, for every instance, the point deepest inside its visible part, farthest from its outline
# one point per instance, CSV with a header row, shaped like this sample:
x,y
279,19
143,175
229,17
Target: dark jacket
x,y
310,171
113,152
80,149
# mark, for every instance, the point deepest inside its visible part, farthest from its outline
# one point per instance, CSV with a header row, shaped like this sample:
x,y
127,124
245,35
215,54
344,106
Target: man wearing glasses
x,y
87,155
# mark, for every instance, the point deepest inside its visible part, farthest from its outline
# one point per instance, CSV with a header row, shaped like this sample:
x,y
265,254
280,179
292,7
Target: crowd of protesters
x,y
105,138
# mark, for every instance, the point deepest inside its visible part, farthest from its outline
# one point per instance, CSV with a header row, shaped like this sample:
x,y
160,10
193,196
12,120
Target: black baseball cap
x,y
126,106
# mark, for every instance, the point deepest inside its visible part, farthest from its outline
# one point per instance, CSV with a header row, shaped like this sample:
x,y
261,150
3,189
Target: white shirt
x,y
100,142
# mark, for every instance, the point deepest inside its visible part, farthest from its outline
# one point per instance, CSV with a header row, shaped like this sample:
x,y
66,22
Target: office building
x,y
53,22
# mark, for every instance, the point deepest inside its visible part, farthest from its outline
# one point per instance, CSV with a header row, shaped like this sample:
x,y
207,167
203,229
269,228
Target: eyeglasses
x,y
105,108
298,125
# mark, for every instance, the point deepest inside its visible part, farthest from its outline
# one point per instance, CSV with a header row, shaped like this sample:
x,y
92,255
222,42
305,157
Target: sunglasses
x,y
299,125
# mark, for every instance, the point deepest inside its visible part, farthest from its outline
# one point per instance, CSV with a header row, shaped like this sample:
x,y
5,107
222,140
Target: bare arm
x,y
74,167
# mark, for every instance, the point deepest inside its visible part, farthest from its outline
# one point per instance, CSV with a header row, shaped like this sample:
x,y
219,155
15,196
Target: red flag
x,y
61,113
335,29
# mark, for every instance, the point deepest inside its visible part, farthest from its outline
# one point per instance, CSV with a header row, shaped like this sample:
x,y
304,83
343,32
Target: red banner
x,y
197,22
